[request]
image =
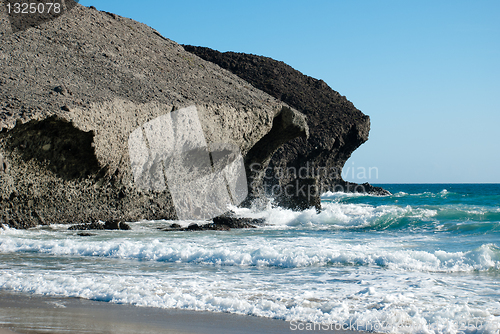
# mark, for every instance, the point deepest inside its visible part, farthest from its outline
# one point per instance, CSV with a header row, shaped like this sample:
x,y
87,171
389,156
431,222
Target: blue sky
x,y
426,72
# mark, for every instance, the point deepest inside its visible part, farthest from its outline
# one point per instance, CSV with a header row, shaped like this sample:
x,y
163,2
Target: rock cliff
x,y
73,90
337,128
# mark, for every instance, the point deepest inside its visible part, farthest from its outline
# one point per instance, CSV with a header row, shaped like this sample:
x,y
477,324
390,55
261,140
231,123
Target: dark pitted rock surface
x,y
116,225
233,222
221,223
352,187
87,227
336,126
73,89
300,194
111,225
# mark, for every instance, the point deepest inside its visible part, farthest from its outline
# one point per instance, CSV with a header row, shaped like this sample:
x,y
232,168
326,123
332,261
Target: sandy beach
x,y
5,331
20,313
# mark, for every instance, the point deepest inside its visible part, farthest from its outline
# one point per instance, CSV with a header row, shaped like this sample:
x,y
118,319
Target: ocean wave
x,y
427,194
468,213
297,253
337,215
329,195
343,216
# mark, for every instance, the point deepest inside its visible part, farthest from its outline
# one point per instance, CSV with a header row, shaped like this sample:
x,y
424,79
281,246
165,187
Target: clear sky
x,y
426,72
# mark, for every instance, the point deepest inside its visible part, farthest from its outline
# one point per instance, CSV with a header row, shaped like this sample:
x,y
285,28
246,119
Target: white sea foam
x,y
339,216
411,303
329,195
297,252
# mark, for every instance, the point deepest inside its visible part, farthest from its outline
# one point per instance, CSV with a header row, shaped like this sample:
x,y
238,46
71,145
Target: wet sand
x,y
36,314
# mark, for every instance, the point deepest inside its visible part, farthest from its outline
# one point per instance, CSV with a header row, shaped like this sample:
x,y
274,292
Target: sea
x,y
423,260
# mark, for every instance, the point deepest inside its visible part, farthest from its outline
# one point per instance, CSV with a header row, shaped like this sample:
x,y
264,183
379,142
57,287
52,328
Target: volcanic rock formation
x,y
72,90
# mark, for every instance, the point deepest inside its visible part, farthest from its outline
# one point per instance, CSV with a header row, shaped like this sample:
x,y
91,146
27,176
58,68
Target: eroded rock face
x,y
336,127
65,150
72,90
286,126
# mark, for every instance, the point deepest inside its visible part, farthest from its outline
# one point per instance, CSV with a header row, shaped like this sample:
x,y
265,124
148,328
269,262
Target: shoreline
x,y
23,313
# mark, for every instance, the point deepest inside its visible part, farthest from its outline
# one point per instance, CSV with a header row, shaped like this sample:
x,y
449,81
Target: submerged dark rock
x,y
111,225
87,227
222,223
233,222
84,234
116,225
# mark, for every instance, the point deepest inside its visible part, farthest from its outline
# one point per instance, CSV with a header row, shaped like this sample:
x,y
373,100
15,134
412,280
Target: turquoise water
x,y
424,260
470,212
